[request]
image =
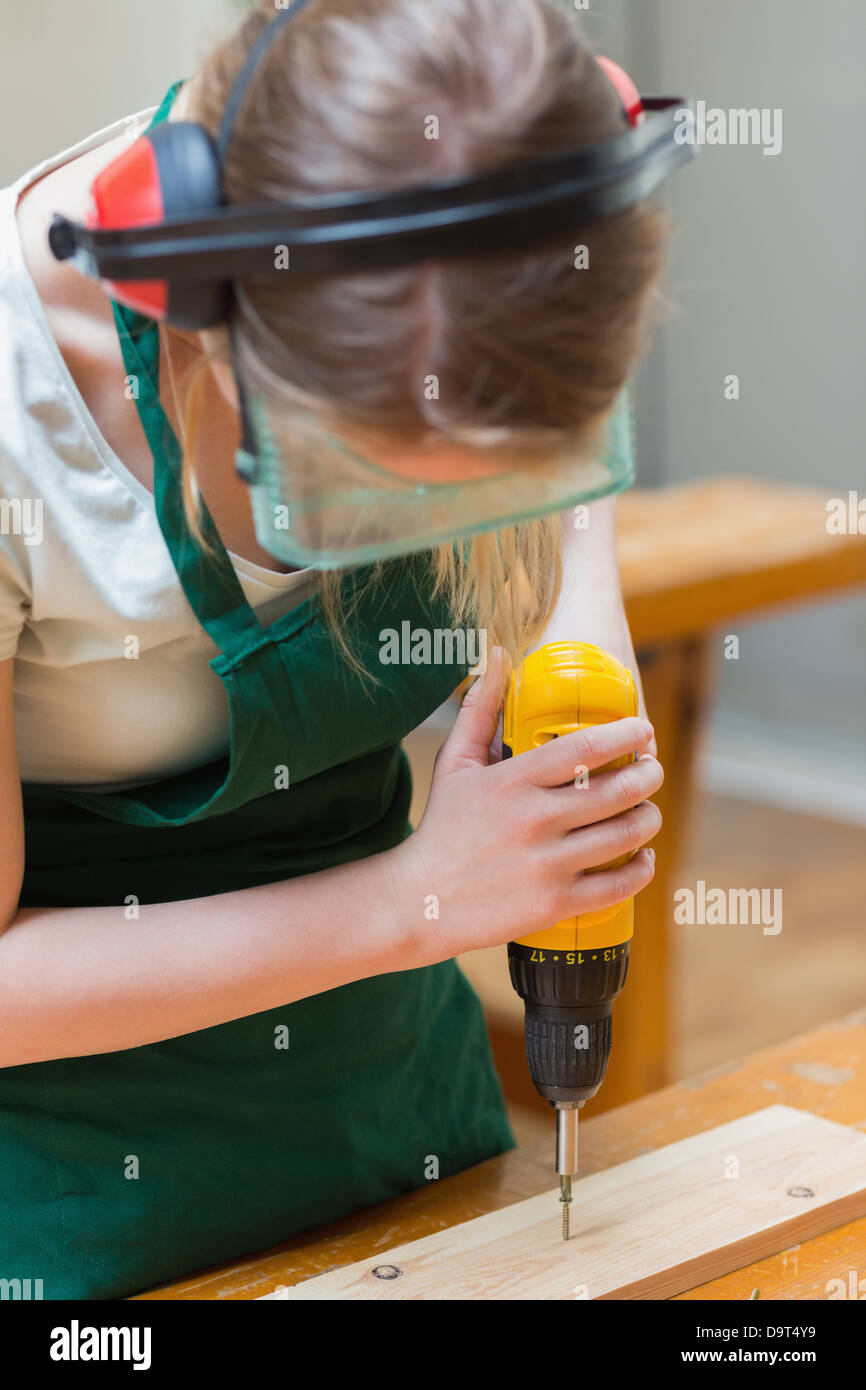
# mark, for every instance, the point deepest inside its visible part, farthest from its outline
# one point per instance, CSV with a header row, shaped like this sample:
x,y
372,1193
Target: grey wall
x,y
767,280
67,70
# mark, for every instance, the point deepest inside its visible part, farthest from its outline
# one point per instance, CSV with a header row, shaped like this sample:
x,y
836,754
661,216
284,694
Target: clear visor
x,y
317,502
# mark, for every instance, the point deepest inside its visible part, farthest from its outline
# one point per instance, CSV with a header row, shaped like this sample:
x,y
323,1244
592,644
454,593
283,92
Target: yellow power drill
x,y
569,975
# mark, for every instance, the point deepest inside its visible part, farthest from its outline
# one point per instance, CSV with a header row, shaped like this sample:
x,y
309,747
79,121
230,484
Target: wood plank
x,y
822,1071
649,1228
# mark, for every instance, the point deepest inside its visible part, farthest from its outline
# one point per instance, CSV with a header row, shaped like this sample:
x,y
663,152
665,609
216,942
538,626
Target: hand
x,y
504,848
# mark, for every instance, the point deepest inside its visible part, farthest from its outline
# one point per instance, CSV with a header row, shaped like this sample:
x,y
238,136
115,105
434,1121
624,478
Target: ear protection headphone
x,y
161,237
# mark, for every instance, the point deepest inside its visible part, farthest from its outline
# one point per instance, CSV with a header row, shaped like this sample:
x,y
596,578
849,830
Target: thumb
x,y
468,744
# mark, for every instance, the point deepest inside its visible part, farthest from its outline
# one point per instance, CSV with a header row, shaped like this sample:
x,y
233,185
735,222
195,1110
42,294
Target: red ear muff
x,y
127,194
624,87
169,172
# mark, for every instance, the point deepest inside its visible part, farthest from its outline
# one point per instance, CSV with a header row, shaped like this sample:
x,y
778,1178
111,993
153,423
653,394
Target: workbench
x,y
823,1072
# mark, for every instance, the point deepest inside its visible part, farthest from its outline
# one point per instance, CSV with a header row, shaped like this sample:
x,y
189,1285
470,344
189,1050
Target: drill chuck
x,y
568,998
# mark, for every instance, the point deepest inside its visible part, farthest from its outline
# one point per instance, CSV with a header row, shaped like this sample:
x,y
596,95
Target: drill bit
x,y
566,1156
565,1199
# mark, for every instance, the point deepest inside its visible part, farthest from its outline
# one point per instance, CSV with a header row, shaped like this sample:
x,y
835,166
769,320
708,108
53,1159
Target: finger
x,y
604,793
469,742
559,760
610,886
595,845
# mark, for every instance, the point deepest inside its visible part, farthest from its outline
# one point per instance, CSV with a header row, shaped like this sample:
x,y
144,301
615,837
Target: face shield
x,y
319,502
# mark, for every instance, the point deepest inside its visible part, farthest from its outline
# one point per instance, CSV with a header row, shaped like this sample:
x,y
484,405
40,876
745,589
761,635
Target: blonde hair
x,y
527,351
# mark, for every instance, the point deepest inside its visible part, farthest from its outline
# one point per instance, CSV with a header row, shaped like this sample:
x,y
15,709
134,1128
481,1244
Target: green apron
x,y
127,1169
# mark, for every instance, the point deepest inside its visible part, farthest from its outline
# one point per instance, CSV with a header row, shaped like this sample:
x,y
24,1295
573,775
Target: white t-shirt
x,y
84,569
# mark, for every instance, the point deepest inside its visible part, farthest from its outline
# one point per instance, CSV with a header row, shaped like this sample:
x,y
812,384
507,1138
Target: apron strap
x,y
205,571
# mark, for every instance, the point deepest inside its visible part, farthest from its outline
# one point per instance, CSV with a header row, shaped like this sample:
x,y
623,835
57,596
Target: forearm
x,y
590,606
76,981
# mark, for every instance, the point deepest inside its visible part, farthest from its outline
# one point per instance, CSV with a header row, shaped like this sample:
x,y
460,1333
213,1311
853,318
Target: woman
x,y
228,1013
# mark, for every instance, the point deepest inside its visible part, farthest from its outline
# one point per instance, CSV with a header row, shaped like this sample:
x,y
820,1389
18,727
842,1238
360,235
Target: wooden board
x,y
649,1228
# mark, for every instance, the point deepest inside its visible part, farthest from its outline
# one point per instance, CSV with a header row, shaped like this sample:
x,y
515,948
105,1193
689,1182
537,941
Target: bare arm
x,y
590,607
75,981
